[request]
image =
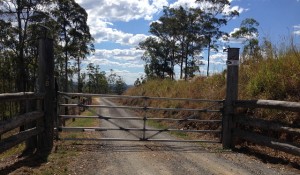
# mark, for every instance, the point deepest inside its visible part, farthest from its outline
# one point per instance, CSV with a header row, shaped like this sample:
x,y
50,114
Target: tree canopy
x,y
181,34
23,22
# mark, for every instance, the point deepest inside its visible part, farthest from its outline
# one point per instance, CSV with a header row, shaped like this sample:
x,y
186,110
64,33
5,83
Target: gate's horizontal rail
x,y
141,108
138,140
139,118
83,129
140,97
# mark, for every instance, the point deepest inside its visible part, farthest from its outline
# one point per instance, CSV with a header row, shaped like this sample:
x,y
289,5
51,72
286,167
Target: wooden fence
x,y
32,121
234,125
38,123
242,122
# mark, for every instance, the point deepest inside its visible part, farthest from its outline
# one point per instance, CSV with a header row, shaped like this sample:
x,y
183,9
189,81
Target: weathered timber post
x,y
46,86
231,96
31,143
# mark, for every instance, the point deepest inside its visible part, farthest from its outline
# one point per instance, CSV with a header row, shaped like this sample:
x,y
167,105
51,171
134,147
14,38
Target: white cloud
x,y
203,5
234,8
119,54
123,10
297,29
103,34
184,3
219,56
102,14
122,58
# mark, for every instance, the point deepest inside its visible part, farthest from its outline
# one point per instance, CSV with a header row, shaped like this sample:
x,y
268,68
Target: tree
x,y
75,38
19,13
120,86
214,17
116,83
176,40
97,82
249,32
7,56
156,57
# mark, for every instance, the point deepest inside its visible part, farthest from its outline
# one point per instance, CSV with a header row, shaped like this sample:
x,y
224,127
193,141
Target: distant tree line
x,y
23,22
181,34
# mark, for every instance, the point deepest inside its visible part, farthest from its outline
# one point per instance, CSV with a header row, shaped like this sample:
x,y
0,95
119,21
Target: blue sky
x,y
119,25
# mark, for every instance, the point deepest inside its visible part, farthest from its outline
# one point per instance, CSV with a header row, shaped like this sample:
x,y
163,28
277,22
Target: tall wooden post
x,y
46,85
231,96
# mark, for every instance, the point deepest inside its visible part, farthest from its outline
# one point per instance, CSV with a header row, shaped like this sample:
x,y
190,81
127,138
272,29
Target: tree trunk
x,y
208,57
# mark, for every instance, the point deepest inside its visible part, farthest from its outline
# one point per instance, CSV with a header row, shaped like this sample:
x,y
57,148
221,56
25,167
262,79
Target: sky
x,y
119,25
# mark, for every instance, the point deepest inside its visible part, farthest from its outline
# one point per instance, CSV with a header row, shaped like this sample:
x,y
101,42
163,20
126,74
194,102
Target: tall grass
x,y
276,76
273,74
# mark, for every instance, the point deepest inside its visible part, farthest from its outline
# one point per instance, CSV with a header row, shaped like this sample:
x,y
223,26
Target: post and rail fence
x,y
232,124
38,118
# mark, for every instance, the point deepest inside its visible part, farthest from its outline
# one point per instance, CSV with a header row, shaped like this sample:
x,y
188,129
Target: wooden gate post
x,y
46,86
231,96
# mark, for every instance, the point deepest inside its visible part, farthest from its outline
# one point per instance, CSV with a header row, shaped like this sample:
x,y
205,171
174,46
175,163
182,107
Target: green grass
x,y
81,122
159,125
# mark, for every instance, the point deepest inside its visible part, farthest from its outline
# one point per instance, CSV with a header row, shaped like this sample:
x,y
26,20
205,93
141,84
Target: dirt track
x,y
147,158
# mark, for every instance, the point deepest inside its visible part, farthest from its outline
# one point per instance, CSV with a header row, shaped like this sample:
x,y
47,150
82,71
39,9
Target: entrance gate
x,y
205,124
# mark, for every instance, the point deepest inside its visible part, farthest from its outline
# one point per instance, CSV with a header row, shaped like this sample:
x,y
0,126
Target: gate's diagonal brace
x,y
108,120
159,132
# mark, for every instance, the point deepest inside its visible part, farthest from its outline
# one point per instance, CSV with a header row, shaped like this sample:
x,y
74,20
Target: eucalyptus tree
x,y
166,33
120,86
97,81
249,32
176,40
7,56
74,35
19,14
155,55
116,83
214,17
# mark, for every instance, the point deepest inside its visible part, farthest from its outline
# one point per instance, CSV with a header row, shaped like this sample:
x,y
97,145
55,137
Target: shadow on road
x,y
142,147
33,160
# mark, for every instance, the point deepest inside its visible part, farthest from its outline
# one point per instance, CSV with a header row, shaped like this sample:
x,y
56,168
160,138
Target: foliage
x,y
22,23
249,32
180,35
175,41
97,82
116,83
74,36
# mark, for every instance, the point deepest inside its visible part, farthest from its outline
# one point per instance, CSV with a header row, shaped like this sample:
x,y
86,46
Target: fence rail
x,y
25,119
270,104
264,125
5,97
